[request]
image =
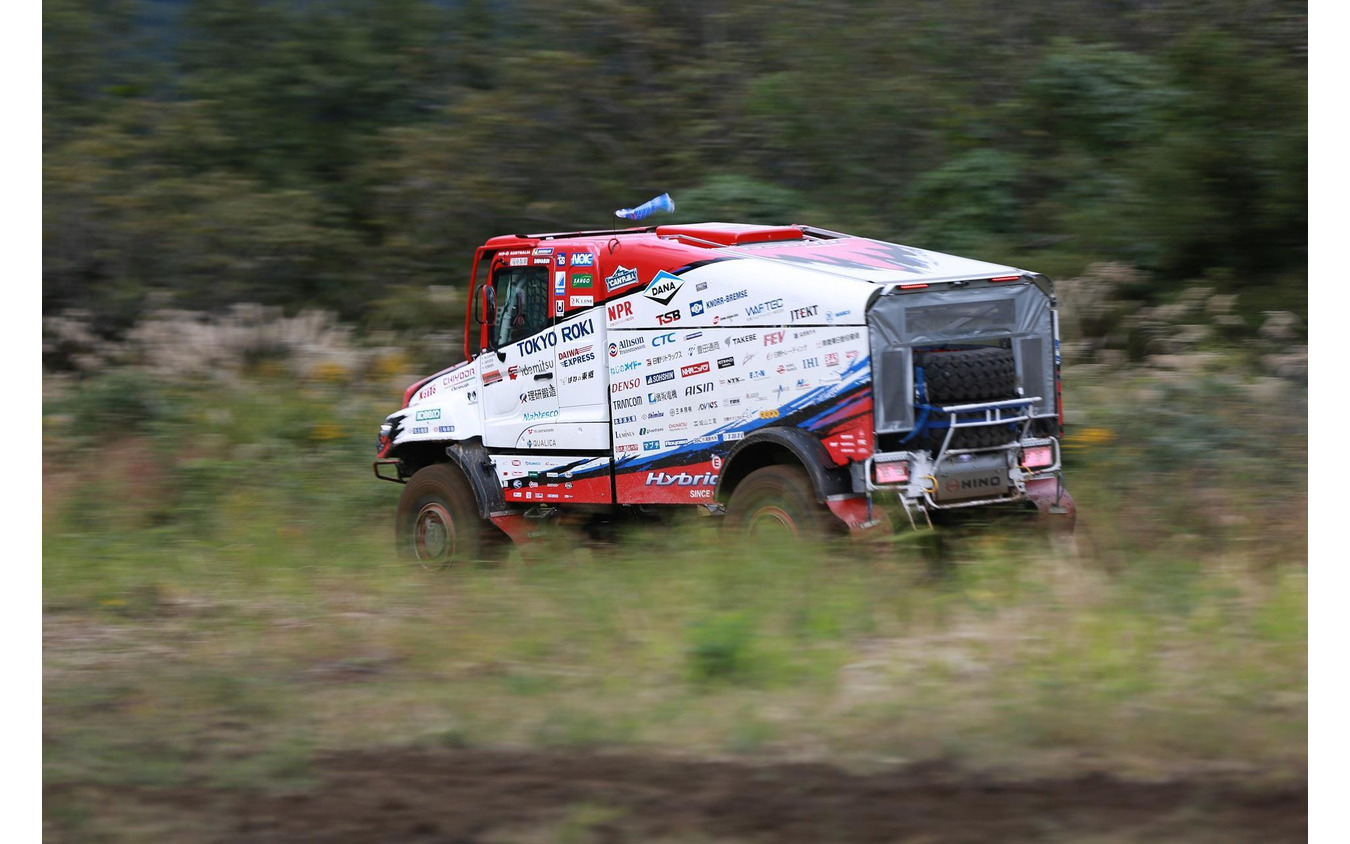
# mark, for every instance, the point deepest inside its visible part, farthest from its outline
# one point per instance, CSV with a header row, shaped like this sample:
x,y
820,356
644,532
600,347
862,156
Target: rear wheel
x,y
779,501
437,521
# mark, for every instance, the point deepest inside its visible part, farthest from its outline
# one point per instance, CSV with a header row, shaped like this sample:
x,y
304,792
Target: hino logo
x,y
962,484
682,479
663,288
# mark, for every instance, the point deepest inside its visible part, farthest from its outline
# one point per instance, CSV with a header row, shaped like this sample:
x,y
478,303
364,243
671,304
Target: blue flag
x,y
646,209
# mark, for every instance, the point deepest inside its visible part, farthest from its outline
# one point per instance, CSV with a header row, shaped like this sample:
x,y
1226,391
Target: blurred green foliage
x,y
202,152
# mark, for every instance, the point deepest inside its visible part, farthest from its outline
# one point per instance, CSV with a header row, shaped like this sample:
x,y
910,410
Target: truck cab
x,y
779,377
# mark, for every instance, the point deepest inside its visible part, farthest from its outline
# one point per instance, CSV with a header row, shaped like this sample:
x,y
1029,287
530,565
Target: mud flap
x,y
1054,503
852,511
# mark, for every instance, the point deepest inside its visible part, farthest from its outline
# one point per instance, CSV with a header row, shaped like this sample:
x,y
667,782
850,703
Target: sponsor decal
x,y
621,277
834,341
708,405
663,395
810,363
710,438
744,338
620,311
624,367
702,285
543,250
622,449
426,392
536,415
631,401
560,259
673,444
459,376
519,262
582,279
536,345
668,317
445,429
678,426
660,359
757,374
805,313
558,307
659,377
559,283
733,435
799,334
472,395
422,430
624,420
768,414
693,335
694,369
583,259
727,299
651,445
580,301
774,338
428,415
696,308
681,479
542,393
764,308
663,339
628,344
663,287
832,359
541,261
783,353
550,443
716,461
699,389
655,414
581,354
725,363
624,386
704,348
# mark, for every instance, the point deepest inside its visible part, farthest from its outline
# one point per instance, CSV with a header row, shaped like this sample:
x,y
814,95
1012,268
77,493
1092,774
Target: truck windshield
x,y
522,303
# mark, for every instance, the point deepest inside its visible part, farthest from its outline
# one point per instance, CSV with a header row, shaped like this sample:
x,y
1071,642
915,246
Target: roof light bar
x,y
1007,278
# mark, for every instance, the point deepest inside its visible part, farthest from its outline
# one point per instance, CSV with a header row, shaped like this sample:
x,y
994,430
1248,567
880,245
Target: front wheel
x,y
437,521
779,501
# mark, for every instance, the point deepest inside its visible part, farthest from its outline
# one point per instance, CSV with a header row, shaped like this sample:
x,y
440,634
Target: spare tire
x,y
969,375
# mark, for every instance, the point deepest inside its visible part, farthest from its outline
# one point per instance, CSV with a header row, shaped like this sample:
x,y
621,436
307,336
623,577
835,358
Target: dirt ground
x,y
455,795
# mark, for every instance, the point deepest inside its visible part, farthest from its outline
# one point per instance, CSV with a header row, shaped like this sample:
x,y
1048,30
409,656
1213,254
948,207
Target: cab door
x,y
519,374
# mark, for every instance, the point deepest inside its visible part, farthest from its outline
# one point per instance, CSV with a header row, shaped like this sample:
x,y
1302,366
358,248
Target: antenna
x,y
646,209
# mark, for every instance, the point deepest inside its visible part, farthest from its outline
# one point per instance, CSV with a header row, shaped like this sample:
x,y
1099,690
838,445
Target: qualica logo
x,y
682,479
694,369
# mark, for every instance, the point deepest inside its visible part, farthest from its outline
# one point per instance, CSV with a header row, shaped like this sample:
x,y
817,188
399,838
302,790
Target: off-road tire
x,y
437,522
969,375
779,499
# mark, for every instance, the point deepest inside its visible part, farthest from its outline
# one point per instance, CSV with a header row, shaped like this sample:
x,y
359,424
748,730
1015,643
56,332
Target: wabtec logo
x,y
681,479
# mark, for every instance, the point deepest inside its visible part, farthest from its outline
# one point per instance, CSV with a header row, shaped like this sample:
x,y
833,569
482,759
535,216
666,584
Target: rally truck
x,y
780,378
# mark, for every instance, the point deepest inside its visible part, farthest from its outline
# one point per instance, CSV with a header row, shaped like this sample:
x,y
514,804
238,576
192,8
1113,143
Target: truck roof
x,y
829,252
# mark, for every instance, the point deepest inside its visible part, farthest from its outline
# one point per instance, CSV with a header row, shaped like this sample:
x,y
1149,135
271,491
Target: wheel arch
x,y
775,446
469,456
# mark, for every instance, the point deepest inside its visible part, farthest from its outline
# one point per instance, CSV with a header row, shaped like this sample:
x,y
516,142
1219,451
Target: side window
x,y
522,303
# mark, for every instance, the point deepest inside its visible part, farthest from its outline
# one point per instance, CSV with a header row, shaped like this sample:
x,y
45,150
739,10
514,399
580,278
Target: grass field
x,y
222,609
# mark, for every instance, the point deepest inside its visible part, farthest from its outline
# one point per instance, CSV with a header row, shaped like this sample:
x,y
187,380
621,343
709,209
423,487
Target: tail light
x,y
896,472
1038,456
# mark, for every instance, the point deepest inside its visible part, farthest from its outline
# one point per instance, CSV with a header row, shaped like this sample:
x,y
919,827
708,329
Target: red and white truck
x,y
780,377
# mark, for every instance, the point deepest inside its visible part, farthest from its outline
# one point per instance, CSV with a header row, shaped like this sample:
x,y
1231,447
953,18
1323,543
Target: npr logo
x,y
619,310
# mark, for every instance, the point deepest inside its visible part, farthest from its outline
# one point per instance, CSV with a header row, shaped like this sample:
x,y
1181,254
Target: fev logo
x,y
663,287
621,277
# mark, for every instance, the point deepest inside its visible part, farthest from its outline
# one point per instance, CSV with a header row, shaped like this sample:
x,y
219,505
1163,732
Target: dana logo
x,y
663,339
681,479
659,377
694,369
696,308
773,338
668,317
620,310
663,288
651,445
583,259
621,277
427,415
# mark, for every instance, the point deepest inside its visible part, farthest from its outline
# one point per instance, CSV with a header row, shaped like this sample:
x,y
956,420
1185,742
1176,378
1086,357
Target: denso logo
x,y
694,369
668,317
681,479
698,389
764,308
663,339
659,377
773,338
621,386
620,310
